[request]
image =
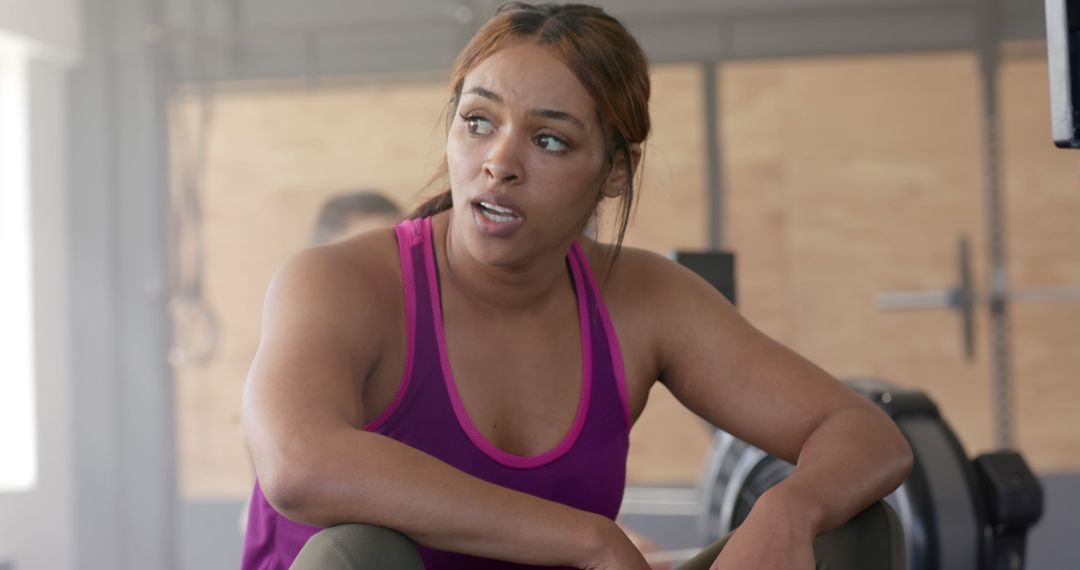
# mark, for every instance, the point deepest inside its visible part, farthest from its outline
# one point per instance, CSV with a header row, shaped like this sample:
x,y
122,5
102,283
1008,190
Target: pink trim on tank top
x,y
478,439
408,288
613,339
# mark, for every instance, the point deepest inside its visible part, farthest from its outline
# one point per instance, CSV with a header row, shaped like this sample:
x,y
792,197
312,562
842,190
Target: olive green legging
x,y
874,540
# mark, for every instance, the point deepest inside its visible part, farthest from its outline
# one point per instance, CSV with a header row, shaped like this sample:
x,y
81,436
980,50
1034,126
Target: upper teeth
x,y
497,209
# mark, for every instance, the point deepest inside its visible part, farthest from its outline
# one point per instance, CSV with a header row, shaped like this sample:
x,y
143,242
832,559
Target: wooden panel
x,y
275,157
865,173
853,177
1042,193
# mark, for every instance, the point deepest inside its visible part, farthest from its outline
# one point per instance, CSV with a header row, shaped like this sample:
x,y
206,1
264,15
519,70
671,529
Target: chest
x,y
519,381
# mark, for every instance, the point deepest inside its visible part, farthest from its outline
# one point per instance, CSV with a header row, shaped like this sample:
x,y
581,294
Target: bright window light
x,y
18,437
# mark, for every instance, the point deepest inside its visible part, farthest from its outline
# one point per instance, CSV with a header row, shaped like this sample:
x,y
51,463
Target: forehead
x,y
531,76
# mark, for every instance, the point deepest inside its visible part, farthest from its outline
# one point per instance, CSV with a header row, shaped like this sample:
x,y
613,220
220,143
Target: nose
x,y
503,163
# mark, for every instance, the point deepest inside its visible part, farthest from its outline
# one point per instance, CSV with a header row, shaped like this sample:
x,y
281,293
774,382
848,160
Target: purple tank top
x,y
586,470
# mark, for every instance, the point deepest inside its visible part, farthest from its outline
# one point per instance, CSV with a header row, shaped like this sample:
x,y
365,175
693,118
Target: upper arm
x,y
319,341
733,375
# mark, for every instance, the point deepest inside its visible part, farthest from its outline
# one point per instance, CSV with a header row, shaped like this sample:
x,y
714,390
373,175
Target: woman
x,y
486,417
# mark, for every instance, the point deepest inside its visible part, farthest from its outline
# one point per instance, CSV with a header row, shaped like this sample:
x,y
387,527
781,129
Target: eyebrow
x,y
546,113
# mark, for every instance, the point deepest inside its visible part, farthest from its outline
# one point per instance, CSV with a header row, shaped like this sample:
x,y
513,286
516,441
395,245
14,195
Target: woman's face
x,y
525,156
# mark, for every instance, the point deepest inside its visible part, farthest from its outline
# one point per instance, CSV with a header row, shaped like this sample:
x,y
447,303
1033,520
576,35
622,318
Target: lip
x,y
491,227
500,201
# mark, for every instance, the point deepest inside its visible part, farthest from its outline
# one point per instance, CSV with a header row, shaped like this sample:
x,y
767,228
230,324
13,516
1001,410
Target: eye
x,y
477,125
552,143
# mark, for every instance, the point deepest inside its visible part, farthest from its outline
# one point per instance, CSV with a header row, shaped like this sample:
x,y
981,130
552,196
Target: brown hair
x,y
600,52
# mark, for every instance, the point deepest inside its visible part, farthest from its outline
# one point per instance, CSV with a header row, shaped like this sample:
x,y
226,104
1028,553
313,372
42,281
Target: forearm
x,y
367,478
852,459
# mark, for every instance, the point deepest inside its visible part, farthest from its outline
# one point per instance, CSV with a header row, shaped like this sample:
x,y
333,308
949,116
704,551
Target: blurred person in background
x,y
352,213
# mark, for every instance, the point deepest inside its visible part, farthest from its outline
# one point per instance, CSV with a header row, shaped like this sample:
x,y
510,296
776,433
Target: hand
x,y
768,541
614,550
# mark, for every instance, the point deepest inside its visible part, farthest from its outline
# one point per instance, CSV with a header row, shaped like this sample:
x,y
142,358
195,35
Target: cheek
x,y
455,160
464,158
588,173
582,181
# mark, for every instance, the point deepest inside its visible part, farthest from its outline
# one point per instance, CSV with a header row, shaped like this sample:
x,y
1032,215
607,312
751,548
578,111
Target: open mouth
x,y
496,220
497,214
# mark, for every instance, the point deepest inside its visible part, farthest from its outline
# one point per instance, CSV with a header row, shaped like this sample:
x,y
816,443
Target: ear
x,y
619,177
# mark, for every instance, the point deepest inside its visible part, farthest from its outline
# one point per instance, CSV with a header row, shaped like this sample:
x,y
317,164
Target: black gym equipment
x,y
714,266
957,513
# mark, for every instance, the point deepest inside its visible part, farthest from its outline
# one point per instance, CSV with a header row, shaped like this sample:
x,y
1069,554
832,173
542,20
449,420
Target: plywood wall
x,y
844,179
855,177
274,158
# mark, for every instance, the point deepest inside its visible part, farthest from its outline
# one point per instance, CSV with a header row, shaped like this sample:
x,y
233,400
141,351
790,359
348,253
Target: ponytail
x,y
439,203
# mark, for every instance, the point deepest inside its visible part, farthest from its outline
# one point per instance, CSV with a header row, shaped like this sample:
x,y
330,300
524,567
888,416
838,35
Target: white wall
x,y
52,26
117,201
37,526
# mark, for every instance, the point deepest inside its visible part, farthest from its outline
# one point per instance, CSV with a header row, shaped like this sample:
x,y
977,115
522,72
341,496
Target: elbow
x,y
290,489
901,458
310,485
892,456
291,474
289,471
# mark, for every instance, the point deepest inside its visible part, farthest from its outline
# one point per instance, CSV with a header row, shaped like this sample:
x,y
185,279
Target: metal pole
x,y
158,400
987,14
714,159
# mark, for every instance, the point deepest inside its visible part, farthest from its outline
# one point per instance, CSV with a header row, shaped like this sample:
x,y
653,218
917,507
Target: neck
x,y
520,289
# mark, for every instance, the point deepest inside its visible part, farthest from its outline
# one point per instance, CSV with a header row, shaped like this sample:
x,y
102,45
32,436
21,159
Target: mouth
x,y
497,220
496,213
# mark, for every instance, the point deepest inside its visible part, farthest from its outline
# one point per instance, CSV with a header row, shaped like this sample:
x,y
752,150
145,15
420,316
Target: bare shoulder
x,y
638,277
661,302
338,284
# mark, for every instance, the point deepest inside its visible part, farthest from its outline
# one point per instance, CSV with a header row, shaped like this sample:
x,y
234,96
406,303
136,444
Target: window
x,y
18,461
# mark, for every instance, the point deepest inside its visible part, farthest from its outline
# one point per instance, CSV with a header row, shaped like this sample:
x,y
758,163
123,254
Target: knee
x,y
358,547
872,540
